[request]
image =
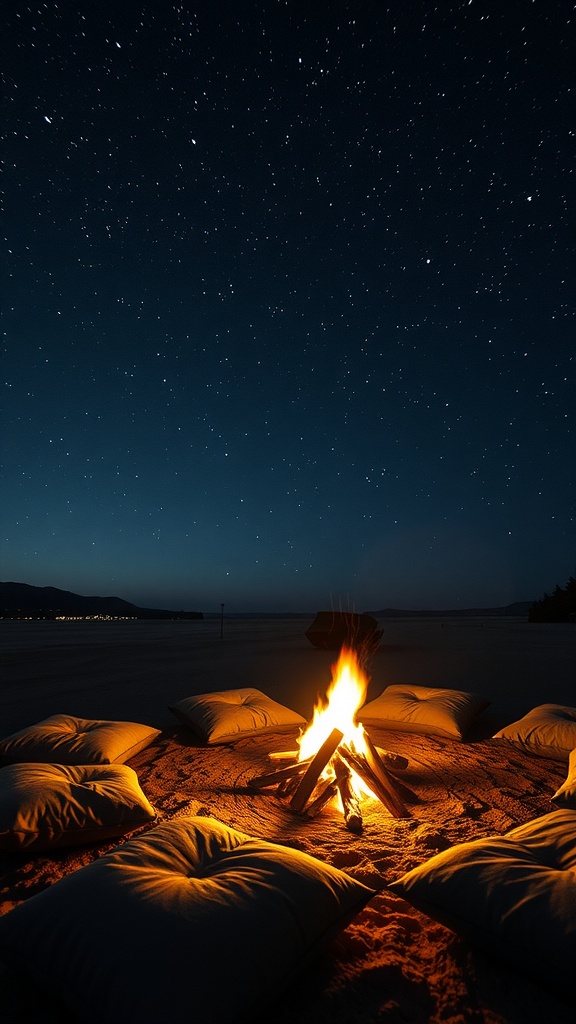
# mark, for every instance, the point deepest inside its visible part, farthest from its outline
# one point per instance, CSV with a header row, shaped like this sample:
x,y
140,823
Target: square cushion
x,y
49,805
190,922
548,730
423,709
566,795
229,715
513,895
65,739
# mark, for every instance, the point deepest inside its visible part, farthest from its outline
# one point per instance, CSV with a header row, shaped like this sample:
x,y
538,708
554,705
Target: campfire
x,y
336,757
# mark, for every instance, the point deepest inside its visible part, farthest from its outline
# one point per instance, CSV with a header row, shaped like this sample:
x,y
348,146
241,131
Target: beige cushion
x,y
549,730
423,709
65,739
513,895
189,922
49,805
565,796
229,715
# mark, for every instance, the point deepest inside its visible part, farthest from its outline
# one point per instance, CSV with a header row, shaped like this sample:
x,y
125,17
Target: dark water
x,y
135,669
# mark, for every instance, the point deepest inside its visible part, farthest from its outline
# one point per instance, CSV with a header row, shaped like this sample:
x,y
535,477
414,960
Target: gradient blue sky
x,y
289,302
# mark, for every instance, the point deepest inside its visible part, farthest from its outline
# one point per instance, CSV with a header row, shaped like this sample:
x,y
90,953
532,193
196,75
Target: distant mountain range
x,y
519,608
21,601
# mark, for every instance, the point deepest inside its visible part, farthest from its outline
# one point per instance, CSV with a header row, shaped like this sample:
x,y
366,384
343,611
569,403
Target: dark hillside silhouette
x,y
21,601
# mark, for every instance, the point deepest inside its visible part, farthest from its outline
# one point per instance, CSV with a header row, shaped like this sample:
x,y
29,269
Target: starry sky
x,y
288,301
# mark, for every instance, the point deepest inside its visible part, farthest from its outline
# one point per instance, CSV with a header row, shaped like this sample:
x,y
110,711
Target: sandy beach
x,y
392,964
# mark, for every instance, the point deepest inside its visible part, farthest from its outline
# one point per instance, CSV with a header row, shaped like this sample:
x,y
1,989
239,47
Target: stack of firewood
x,y
307,785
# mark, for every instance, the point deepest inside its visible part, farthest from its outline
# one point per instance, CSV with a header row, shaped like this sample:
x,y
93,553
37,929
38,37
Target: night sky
x,y
288,301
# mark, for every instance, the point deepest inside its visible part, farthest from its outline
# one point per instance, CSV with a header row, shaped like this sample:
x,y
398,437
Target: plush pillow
x,y
49,805
549,730
68,740
513,895
192,921
423,709
566,795
230,715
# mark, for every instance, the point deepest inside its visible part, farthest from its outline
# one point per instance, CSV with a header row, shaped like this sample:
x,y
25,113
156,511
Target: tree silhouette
x,y
560,606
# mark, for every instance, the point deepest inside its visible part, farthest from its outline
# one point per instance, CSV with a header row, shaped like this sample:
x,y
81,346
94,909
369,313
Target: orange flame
x,y
345,695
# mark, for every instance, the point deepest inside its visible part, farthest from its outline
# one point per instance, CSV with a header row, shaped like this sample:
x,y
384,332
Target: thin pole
x,y
221,620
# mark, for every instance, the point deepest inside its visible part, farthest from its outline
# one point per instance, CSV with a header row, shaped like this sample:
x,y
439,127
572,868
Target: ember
x,y
336,756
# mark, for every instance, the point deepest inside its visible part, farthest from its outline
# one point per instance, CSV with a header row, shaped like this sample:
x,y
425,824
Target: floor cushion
x,y
548,730
228,715
565,796
52,805
423,709
513,895
65,739
191,921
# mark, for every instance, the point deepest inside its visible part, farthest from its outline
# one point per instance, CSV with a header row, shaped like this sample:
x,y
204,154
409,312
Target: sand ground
x,y
392,965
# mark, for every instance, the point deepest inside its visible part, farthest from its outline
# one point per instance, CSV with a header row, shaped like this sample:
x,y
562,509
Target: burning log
x,y
324,791
273,778
301,782
305,785
301,786
348,795
380,772
315,769
395,762
373,773
288,787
